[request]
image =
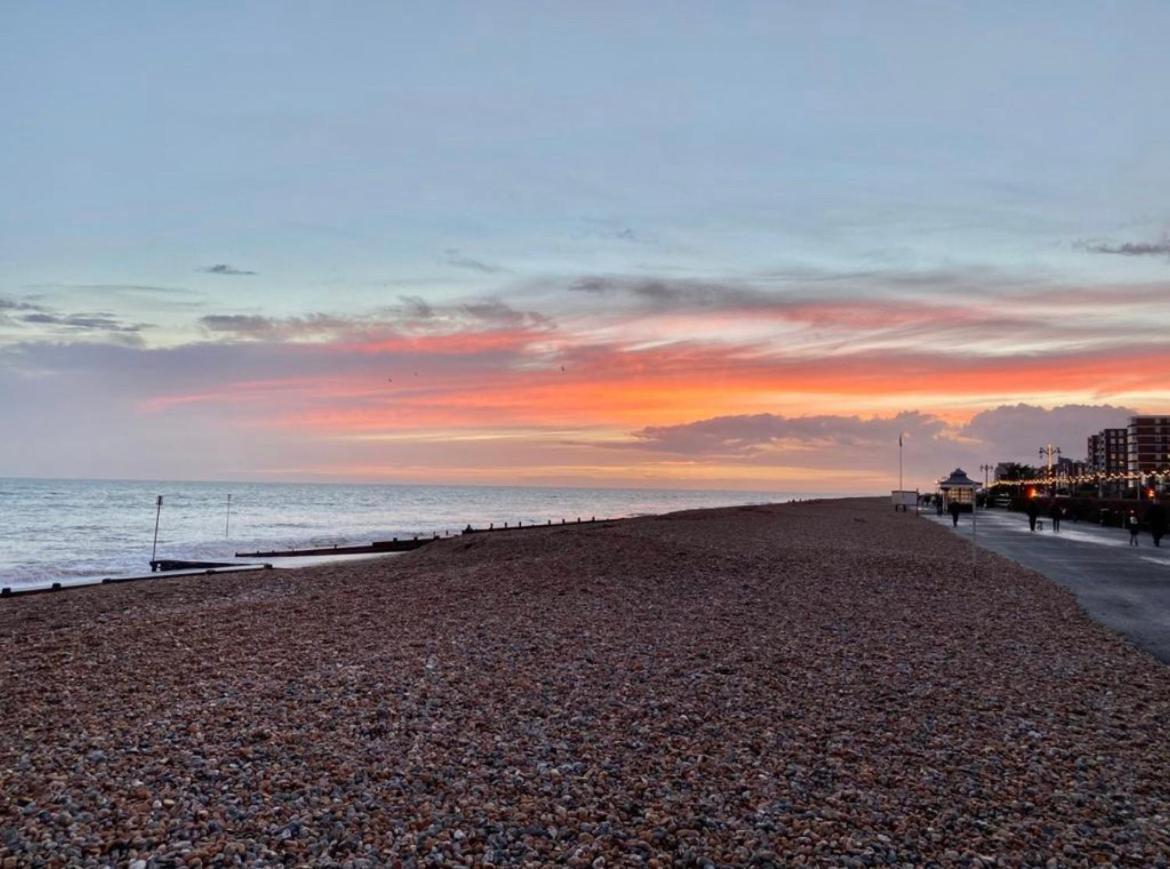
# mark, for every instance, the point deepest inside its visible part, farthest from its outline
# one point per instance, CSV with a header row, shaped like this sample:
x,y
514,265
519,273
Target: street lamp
x,y
986,469
1048,450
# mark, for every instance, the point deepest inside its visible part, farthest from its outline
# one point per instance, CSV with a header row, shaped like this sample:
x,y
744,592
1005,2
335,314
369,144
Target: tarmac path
x,y
1124,587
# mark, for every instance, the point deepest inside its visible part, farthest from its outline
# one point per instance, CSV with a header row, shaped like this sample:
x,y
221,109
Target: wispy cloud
x,y
1129,248
255,326
102,322
416,307
144,289
454,257
413,316
673,293
225,269
136,296
36,318
497,312
612,230
7,304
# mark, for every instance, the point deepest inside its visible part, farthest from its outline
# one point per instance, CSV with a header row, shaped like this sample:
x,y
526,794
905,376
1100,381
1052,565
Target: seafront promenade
x,y
816,683
1124,587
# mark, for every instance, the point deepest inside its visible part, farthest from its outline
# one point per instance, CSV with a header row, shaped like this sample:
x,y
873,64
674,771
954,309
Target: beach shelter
x,y
958,488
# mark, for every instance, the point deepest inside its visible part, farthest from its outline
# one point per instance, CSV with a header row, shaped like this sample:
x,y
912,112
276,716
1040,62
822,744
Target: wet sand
x,y
821,683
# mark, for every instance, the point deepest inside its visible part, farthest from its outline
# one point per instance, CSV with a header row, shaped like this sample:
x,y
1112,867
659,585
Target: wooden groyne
x,y
413,543
520,526
24,591
377,546
163,565
180,567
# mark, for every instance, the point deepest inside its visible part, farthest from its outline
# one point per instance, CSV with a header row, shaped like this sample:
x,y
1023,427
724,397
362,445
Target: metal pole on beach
x,y
900,435
974,532
157,515
227,522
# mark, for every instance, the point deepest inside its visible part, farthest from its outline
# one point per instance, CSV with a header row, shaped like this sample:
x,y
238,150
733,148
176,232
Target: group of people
x,y
1055,514
1155,518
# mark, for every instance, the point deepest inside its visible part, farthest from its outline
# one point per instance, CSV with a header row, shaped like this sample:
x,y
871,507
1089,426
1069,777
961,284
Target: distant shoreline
x,y
81,531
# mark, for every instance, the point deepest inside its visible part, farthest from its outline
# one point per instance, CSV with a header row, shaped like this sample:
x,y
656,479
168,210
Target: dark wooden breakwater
x,y
177,567
163,565
24,591
394,545
520,526
416,542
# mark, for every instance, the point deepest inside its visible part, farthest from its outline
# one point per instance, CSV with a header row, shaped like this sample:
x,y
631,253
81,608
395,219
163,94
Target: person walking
x,y
954,511
1156,519
1134,525
1033,513
1054,513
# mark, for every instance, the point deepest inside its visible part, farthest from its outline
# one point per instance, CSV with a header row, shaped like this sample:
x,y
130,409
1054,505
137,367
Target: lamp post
x,y
986,469
1048,450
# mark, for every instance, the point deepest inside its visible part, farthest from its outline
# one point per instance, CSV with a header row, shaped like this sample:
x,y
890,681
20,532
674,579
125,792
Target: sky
x,y
726,244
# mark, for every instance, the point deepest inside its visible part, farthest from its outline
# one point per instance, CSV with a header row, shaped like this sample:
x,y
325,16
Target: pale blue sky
x,y
353,149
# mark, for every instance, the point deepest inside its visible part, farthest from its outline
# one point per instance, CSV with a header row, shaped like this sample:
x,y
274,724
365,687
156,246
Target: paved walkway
x,y
1124,587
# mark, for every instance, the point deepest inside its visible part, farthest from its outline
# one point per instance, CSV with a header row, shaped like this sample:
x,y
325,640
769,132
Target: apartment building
x,y
1109,451
1147,444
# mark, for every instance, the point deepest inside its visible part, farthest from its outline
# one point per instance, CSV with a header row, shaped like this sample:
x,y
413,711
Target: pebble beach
x,y
819,683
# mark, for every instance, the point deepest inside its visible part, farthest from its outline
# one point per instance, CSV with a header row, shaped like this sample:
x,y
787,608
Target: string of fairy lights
x,y
1056,477
1095,478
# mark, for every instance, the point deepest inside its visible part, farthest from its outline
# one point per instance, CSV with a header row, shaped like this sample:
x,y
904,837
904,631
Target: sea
x,y
74,531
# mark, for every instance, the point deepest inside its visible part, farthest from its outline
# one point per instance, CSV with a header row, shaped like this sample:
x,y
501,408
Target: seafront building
x,y
1148,444
958,489
1108,451
1121,462
1069,471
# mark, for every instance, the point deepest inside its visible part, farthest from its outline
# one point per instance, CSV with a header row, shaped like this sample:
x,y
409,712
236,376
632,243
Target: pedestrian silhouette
x,y
954,511
1054,513
1033,513
1133,524
1156,519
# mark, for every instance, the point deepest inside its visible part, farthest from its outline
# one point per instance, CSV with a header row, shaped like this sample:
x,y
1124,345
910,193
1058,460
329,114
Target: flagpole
x,y
899,461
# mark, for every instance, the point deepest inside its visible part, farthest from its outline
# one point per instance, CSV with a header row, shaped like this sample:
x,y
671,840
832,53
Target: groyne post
x,y
154,546
974,533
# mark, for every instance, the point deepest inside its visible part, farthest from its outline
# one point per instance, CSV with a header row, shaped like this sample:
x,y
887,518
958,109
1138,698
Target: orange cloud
x,y
609,386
